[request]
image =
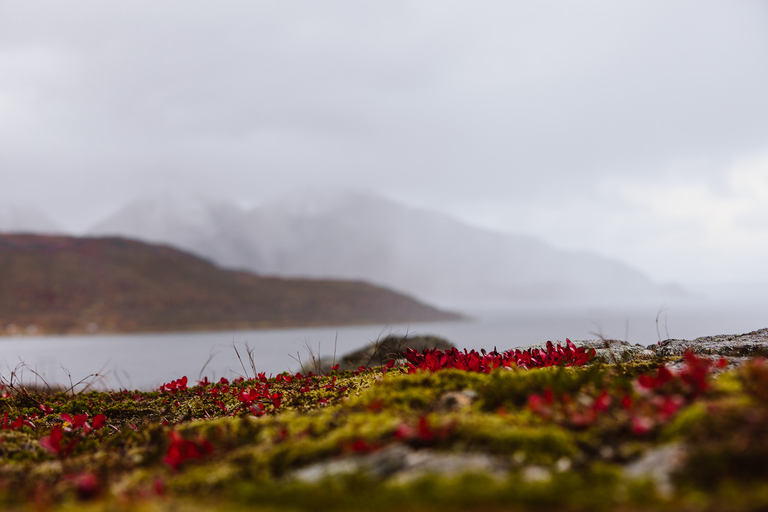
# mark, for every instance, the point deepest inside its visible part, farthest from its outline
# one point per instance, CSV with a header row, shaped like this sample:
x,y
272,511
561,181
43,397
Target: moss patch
x,y
382,438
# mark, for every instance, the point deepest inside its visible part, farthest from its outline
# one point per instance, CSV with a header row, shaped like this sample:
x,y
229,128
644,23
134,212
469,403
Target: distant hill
x,y
66,284
364,236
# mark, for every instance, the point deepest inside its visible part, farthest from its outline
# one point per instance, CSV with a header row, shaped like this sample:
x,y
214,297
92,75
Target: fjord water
x,y
144,361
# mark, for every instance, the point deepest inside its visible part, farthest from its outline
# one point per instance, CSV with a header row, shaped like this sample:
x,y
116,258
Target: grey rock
x,y
658,465
378,353
428,462
735,347
401,464
536,474
380,464
607,351
456,400
729,345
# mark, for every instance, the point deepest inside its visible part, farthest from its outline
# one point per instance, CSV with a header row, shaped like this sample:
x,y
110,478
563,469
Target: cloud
x,y
680,225
627,116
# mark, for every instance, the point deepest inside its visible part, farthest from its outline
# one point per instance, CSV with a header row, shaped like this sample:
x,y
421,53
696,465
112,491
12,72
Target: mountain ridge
x,y
356,235
61,284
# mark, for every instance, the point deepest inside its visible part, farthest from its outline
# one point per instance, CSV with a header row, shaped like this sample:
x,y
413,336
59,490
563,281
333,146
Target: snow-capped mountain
x,y
365,236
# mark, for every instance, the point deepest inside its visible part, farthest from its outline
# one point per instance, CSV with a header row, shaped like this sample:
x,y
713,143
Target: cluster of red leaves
x,y
182,450
21,421
174,386
87,485
655,400
258,396
250,395
423,433
692,379
435,359
81,421
55,442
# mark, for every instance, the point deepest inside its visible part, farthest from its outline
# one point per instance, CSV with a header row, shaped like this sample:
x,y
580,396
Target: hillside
x,y
355,235
66,285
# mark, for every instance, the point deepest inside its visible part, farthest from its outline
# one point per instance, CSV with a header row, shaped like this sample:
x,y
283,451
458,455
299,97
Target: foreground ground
x,y
551,429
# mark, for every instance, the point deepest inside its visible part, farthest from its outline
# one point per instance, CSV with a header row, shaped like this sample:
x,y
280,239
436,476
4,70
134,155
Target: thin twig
x,y
658,314
210,357
335,341
237,352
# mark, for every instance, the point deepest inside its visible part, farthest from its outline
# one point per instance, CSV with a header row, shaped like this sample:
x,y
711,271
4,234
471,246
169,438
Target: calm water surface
x,y
145,361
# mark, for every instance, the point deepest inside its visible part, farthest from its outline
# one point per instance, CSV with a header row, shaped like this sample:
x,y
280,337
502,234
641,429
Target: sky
x,y
636,130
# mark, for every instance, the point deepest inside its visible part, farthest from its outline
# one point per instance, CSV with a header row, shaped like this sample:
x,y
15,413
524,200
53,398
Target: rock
x,y
429,462
400,464
378,353
608,351
728,345
615,351
536,474
658,465
736,347
456,400
380,464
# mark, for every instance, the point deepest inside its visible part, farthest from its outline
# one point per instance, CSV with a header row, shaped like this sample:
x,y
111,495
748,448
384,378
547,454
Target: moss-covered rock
x,y
617,434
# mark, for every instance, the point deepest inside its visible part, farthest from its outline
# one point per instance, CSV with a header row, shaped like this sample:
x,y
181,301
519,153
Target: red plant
x,y
181,450
80,420
87,485
175,386
99,421
435,359
659,397
54,442
19,422
362,446
423,433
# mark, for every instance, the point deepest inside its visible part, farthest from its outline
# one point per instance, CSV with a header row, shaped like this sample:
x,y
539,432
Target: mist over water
x,y
147,360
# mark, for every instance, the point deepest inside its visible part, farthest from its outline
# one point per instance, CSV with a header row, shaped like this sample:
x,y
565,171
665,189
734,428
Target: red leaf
x,y
641,425
99,421
425,432
87,486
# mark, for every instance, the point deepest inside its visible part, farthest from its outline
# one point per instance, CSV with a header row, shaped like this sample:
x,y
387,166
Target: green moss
x,y
511,389
566,456
415,392
542,444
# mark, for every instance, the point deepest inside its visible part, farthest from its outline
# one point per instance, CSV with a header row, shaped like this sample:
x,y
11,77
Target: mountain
x,y
364,236
64,284
25,219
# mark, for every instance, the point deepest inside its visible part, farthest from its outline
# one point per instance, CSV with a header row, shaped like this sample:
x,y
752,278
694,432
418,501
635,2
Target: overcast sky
x,y
634,129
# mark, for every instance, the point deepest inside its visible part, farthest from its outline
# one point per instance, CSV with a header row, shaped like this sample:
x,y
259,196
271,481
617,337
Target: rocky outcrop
x,y
378,353
736,347
404,464
740,346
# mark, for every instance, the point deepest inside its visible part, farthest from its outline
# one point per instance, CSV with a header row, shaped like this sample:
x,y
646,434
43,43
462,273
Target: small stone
x,y
607,452
657,465
563,465
536,474
456,400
